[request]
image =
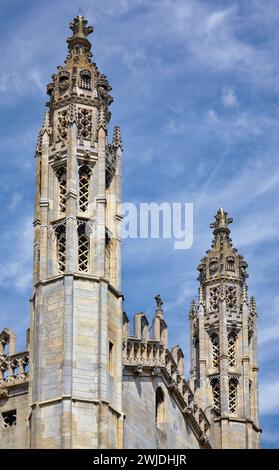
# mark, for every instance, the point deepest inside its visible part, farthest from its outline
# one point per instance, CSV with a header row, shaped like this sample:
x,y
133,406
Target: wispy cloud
x,y
16,259
229,98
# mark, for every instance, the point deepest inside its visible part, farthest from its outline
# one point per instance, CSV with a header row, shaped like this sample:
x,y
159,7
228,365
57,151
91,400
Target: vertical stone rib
x,y
101,201
202,354
71,200
245,360
44,205
223,359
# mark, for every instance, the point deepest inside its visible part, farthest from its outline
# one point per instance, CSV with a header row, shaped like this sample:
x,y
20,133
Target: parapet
x,y
146,352
14,366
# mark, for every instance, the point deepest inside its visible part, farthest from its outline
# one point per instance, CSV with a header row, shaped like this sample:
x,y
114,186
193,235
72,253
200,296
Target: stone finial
x,y
159,303
253,307
221,221
80,32
193,310
116,140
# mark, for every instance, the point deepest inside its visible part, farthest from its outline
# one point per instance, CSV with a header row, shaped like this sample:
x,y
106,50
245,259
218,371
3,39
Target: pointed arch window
x,y
61,247
83,248
62,189
84,181
160,407
85,80
233,396
230,264
215,387
215,350
232,337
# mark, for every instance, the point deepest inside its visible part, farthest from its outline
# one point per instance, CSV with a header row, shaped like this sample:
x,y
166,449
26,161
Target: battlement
x,y
146,352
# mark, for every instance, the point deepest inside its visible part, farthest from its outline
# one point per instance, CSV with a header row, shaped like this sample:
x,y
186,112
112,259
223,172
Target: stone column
x,y
223,358
202,351
44,203
71,196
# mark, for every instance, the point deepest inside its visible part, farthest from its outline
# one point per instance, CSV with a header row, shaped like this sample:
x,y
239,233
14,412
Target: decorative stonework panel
x,y
84,181
83,248
215,351
60,231
232,349
62,124
231,297
233,396
84,123
62,189
215,387
214,296
14,369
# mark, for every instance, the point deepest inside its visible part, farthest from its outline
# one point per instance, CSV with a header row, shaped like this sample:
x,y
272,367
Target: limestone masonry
x,y
86,381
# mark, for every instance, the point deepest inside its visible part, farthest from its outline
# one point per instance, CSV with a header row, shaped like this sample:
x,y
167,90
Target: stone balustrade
x,y
14,368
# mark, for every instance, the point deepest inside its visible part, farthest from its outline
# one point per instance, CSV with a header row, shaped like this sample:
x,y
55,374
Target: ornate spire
x,y
159,303
116,140
221,221
193,309
253,307
80,33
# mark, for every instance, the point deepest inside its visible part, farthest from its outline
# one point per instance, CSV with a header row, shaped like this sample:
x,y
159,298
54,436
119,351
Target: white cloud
x,y
229,98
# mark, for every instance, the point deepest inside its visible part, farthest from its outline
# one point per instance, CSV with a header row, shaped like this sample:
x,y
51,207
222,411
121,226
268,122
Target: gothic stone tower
x,y
224,368
76,308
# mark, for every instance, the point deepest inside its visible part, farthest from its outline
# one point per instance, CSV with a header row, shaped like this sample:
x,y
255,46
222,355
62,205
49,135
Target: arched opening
x,y
160,417
160,407
84,182
83,248
233,396
85,80
62,189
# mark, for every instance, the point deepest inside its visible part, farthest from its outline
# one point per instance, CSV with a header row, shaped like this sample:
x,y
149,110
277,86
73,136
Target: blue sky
x,y
196,89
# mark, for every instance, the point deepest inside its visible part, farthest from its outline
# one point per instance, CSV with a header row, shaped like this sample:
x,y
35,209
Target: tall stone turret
x,y
76,314
223,349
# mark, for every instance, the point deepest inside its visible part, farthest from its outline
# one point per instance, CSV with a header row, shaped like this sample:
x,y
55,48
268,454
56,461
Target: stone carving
x,y
14,368
62,124
63,80
216,294
84,123
3,393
